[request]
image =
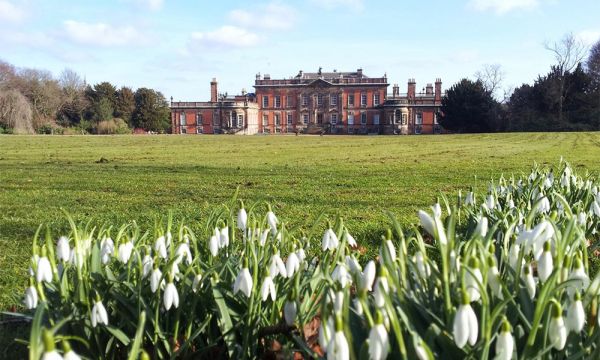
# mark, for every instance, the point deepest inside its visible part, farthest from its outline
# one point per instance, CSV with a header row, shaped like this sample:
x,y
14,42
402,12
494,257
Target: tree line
x,y
566,98
32,100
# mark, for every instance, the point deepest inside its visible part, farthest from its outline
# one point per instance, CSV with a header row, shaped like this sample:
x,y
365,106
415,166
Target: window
x,y
435,118
376,99
363,118
199,130
241,120
184,130
404,119
419,119
305,118
351,100
350,119
277,101
376,119
277,120
304,100
290,118
334,118
417,129
333,98
363,99
234,123
288,101
182,120
198,119
265,120
265,101
320,99
319,118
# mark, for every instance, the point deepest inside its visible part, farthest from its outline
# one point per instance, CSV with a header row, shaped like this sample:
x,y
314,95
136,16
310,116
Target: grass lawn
x,y
144,177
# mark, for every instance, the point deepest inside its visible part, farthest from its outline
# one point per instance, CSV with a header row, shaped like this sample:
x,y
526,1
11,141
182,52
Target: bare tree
x,y
491,76
15,112
73,100
568,53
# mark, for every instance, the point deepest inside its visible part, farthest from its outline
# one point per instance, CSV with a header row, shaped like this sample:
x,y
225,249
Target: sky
x,y
178,46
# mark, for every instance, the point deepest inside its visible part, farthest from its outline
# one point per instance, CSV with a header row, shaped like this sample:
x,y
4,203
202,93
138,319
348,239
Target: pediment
x,y
319,83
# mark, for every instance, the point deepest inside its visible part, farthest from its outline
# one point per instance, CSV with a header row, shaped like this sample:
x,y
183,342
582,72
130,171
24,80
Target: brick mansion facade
x,y
315,103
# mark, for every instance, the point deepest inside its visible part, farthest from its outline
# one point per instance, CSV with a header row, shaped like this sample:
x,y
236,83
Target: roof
x,y
331,75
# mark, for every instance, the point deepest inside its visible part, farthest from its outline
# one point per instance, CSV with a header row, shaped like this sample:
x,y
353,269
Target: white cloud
x,y
153,5
101,34
589,37
225,37
346,4
501,7
10,12
272,16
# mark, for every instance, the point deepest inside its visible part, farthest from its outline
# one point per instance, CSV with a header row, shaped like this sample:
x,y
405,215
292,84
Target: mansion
x,y
314,103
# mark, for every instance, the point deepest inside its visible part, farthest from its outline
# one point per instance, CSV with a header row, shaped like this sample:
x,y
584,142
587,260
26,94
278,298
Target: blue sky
x,y
178,46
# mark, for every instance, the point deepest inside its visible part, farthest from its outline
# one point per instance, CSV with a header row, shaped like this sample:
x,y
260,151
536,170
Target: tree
x,y
102,98
42,91
568,53
469,107
125,104
151,111
491,76
593,62
73,102
15,112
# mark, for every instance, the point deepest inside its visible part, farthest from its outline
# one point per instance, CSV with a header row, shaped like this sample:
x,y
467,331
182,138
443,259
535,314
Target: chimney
x,y
395,91
412,87
429,89
359,73
213,90
438,90
267,77
258,76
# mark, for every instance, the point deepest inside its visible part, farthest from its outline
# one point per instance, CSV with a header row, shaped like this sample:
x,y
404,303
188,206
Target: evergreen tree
x,y
468,107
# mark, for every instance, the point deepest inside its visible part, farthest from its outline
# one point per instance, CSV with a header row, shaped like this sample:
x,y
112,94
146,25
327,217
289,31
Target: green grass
x,y
146,176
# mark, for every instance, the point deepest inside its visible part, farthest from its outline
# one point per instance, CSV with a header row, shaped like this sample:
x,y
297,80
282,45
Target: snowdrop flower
x,y
544,205
511,204
326,330
160,246
357,306
582,280
391,250
197,284
330,240
44,270
505,343
381,287
338,302
341,275
292,264
243,281
99,314
242,219
272,221
437,210
465,328
470,199
277,266
379,344
170,297
147,265
582,218
263,237
107,248
63,252
155,279
527,277
338,347
493,276
69,354
301,254
289,312
557,331
513,256
595,208
268,288
213,245
31,297
50,352
183,252
427,222
423,268
490,202
351,240
125,250
545,263
353,264
422,354
576,314
472,280
565,181
224,237
367,277
482,227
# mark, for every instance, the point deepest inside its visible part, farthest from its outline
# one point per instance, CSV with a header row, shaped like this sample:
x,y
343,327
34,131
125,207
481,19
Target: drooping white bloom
x,y
381,288
490,202
243,282
44,270
268,288
427,222
575,315
242,219
263,237
357,306
493,276
511,204
289,312
470,199
423,268
147,265
183,252
350,239
330,240
326,331
301,254
557,331
213,245
71,355
473,278
272,221
63,251
513,255
367,277
107,248
99,314
545,263
581,218
341,275
277,266
437,210
160,246
338,302
465,327
292,264
391,251
379,344
595,208
124,252
224,237
170,297
579,280
505,343
482,227
197,283
155,280
421,352
31,298
527,277
52,355
353,264
338,347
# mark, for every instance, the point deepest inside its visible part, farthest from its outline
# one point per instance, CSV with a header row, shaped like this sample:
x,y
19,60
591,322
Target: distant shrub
x,y
50,129
114,126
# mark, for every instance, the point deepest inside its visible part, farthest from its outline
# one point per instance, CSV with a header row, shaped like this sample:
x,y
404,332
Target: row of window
x,y
333,100
235,120
333,119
